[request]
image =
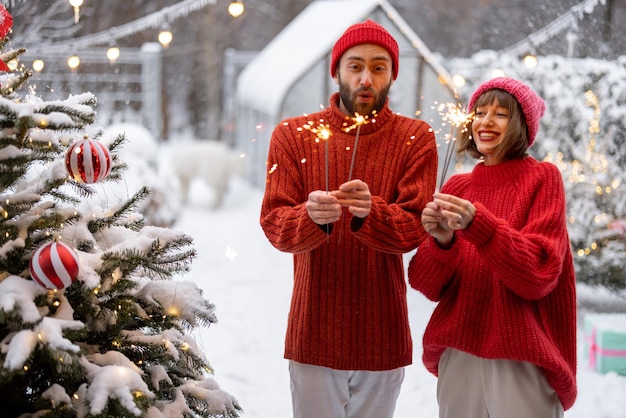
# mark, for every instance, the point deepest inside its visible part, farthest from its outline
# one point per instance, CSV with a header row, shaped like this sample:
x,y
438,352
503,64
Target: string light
x,y
236,8
73,62
38,65
530,61
565,21
458,80
113,53
76,5
165,36
166,14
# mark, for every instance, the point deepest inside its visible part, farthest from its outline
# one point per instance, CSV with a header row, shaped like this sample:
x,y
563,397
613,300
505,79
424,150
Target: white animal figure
x,y
210,161
141,153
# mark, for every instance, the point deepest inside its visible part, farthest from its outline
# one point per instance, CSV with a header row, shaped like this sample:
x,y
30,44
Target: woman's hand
x,y
445,214
436,224
459,213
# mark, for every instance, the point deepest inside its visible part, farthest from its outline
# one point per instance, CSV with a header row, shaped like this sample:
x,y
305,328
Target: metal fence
x,y
128,89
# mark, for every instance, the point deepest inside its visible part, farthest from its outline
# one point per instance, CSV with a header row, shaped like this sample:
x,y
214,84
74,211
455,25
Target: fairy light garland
x,y
563,22
153,20
593,165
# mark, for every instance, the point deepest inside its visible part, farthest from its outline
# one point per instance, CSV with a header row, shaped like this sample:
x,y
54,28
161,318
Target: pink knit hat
x,y
533,106
368,32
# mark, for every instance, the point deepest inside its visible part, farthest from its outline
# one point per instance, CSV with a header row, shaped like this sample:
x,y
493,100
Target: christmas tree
x,y
592,172
94,319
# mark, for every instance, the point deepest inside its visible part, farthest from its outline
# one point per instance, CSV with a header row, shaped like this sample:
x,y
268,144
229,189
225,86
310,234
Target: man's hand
x,y
355,195
323,208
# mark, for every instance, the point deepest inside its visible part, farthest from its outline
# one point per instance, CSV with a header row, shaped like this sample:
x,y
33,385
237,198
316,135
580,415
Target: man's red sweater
x,y
348,308
506,288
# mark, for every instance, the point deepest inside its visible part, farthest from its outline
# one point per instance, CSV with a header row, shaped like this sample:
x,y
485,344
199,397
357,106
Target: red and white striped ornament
x,y
54,265
88,161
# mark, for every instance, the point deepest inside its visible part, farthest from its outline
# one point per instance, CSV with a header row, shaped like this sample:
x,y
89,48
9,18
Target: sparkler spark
x,y
359,120
322,131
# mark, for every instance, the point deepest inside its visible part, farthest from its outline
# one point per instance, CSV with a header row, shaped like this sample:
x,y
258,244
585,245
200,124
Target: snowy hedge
x,y
581,132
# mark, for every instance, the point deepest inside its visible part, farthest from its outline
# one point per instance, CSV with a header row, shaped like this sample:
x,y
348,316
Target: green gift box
x,y
605,342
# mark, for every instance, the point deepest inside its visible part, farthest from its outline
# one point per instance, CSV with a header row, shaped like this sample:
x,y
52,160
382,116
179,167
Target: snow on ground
x,y
250,284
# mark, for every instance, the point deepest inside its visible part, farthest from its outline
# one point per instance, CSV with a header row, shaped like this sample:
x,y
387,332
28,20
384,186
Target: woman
x,y
502,339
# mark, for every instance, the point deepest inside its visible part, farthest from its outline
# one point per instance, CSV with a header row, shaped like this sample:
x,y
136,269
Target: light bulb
x,y
73,62
235,8
458,80
38,65
76,5
165,37
113,53
530,61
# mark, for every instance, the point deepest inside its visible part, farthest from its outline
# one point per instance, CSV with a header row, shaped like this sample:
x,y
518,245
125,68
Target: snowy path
x,y
251,291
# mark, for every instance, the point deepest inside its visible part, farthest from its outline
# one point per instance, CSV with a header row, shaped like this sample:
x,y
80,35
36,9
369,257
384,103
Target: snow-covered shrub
x,y
582,132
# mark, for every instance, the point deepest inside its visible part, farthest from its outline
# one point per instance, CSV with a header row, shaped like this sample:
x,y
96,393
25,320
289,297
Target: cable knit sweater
x,y
348,308
506,287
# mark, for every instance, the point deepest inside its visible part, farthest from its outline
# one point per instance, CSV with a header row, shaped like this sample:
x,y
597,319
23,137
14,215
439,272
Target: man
x,y
344,193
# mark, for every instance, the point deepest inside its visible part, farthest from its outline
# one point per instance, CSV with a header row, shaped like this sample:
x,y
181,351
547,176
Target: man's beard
x,y
348,99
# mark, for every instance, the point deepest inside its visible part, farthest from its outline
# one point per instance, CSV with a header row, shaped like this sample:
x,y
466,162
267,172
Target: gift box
x,y
605,342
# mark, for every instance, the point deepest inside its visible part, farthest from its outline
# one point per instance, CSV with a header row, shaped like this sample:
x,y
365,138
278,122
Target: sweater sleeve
x,y
284,218
529,260
432,268
395,227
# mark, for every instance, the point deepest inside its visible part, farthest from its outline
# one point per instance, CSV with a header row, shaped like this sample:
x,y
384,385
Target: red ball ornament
x,y
6,21
54,265
88,161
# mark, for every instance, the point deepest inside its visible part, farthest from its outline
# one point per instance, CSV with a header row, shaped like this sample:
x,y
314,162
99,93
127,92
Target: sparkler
x,y
323,133
454,115
359,121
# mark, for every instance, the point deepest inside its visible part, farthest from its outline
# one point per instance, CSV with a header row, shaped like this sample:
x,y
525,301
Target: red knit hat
x,y
533,106
368,32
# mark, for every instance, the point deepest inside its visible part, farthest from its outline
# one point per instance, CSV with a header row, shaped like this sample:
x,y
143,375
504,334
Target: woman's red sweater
x,y
348,308
506,288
